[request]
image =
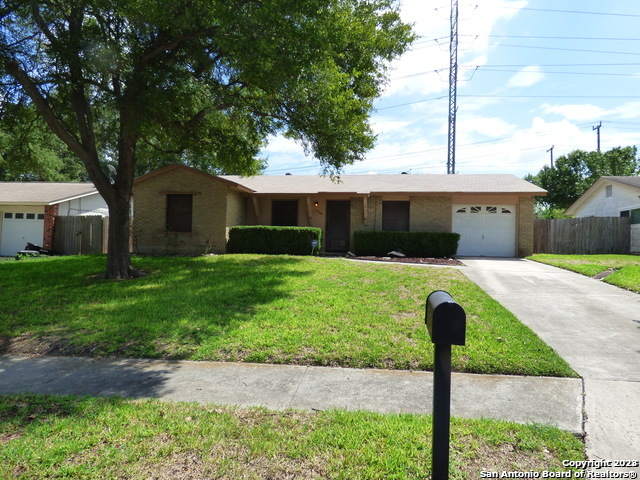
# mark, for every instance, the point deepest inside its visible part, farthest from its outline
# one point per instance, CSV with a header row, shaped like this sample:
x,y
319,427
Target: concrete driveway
x,y
594,326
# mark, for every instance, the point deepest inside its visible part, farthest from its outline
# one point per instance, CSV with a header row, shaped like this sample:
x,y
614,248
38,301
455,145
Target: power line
x,y
579,12
629,64
545,37
552,96
413,103
610,97
559,49
617,122
496,68
586,74
437,40
370,162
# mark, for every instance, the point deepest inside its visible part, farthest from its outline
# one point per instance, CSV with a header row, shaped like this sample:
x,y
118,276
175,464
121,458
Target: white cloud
x,y
574,112
383,125
526,77
490,127
280,144
626,111
424,69
526,149
588,112
479,20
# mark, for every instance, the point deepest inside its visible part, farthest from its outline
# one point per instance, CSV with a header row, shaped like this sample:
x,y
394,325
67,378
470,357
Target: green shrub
x,y
274,240
413,244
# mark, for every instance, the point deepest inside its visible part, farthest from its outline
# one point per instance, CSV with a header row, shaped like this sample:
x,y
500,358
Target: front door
x,y
338,220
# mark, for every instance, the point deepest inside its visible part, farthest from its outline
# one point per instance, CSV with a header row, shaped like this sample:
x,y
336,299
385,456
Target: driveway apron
x,y
594,326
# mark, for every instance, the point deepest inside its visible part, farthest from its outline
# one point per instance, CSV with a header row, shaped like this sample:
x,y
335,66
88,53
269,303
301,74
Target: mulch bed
x,y
426,261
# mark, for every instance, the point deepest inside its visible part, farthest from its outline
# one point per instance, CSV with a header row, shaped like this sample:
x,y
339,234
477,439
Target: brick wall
x,y
430,214
525,226
50,213
209,221
236,211
359,221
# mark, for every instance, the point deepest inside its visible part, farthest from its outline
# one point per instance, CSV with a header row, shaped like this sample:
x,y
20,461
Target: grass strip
x,y
625,268
111,438
261,309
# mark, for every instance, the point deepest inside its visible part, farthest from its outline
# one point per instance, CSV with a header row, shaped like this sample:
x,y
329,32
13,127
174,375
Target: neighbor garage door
x,y
485,230
18,228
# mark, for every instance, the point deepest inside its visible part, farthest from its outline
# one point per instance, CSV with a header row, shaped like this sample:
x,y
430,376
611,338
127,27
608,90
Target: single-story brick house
x,y
181,210
28,210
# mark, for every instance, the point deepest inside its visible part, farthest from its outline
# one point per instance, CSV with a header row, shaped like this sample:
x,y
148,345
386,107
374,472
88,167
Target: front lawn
x,y
626,268
45,437
253,308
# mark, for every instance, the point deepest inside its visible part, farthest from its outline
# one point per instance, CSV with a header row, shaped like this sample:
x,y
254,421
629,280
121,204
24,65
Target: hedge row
x,y
413,244
274,240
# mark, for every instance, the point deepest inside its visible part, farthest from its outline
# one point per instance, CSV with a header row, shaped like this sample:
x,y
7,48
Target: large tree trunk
x,y
119,201
118,254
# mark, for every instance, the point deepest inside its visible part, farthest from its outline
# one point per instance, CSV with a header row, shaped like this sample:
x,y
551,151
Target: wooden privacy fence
x,y
80,235
582,236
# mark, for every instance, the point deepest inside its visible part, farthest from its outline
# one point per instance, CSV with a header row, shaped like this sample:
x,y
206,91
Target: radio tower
x,y
453,81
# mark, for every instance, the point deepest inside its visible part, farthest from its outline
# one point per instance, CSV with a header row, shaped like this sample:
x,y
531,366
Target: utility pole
x,y
597,127
453,81
551,150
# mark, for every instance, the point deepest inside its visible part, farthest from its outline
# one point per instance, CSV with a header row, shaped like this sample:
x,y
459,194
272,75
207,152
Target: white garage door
x,y
18,228
485,230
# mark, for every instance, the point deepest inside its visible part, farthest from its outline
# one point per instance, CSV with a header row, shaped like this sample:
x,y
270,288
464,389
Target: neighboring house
x,y
180,210
612,197
28,210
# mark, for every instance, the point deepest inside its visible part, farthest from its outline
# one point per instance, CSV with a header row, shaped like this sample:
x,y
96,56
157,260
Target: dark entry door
x,y
338,225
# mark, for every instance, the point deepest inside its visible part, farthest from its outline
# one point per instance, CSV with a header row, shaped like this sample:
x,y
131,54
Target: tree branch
x,y
163,43
89,158
79,101
146,141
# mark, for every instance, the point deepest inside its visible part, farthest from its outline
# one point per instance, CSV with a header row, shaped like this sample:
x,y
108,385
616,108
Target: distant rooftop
x,y
43,193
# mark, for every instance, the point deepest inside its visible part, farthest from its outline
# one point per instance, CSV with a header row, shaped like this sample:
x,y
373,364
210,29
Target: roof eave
x,y
176,166
73,197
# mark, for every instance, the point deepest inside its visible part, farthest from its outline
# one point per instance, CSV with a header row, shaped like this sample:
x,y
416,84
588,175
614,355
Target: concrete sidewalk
x,y
553,401
594,326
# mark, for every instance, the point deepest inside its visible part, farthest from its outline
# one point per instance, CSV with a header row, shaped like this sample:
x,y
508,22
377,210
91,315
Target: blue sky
x,y
532,75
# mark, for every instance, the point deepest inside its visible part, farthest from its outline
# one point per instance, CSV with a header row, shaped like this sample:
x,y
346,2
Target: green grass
x,y
265,309
69,437
626,267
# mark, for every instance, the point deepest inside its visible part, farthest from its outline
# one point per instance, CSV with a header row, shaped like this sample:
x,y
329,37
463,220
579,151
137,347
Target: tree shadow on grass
x,y
59,308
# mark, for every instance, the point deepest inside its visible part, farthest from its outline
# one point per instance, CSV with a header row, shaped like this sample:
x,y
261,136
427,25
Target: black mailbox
x,y
445,319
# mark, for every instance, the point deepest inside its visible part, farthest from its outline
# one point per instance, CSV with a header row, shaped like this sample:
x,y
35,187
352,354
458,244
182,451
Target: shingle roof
x,y
43,193
365,184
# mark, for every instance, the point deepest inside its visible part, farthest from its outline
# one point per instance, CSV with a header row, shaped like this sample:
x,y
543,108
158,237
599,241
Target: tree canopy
x,y
140,83
575,172
29,151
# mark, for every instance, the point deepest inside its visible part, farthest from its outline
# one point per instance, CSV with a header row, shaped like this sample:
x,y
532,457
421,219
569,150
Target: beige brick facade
x,y
525,226
222,202
430,214
214,208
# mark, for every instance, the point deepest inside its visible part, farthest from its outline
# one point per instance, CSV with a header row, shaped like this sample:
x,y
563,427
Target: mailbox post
x,y
446,323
